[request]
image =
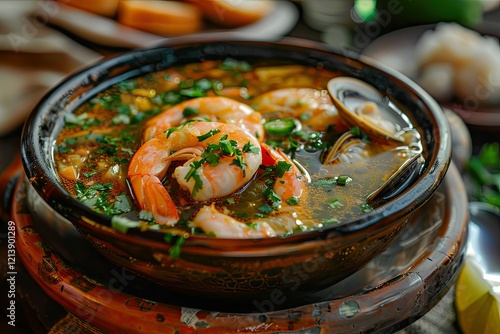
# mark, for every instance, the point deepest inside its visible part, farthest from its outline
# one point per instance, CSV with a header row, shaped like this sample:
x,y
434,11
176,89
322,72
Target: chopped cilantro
x,y
96,196
272,197
251,148
175,128
190,111
209,134
198,183
281,168
210,156
266,208
90,174
121,204
326,182
292,201
238,161
242,215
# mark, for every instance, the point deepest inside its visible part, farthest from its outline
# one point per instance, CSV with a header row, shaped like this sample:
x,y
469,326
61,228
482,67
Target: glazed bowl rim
x,y
40,174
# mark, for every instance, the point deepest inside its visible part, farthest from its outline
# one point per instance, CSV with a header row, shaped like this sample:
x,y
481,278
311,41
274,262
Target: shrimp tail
x,y
213,222
153,197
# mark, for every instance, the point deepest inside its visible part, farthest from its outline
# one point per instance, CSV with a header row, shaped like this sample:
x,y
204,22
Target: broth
x,y
94,149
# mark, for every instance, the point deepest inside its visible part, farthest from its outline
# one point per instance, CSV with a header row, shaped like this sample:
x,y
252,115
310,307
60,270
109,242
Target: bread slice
x,y
166,18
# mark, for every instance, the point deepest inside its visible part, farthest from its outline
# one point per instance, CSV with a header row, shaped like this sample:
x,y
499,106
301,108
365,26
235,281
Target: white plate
x,y
108,32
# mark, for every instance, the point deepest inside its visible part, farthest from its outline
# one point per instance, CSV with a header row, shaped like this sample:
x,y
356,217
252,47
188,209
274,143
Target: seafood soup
x,y
232,149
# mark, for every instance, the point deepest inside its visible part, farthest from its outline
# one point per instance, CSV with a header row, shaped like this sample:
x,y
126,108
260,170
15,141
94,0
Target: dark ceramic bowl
x,y
230,268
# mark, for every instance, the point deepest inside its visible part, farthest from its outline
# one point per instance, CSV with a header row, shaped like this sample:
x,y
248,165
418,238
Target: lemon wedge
x,y
477,300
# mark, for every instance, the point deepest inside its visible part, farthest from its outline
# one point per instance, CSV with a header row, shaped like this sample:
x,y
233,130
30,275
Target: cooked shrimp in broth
x,y
216,108
218,159
225,149
312,106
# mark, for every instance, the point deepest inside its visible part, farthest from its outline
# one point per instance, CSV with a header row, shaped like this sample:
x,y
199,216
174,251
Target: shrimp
x,y
313,107
219,158
210,220
214,108
289,183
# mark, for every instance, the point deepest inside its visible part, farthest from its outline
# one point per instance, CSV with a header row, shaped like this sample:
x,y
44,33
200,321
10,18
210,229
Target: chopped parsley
x,y
292,201
266,208
193,173
190,112
207,135
281,168
326,182
176,242
97,196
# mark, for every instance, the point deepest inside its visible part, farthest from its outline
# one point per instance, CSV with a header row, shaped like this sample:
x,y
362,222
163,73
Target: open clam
x,y
361,105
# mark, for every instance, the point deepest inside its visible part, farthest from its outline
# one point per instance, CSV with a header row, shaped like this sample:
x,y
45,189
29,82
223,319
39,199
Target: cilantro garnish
x,y
266,208
207,135
281,168
251,148
326,182
190,111
176,242
272,197
193,173
97,196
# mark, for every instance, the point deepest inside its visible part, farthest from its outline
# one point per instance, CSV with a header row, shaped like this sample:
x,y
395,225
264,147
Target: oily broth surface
x,y
96,144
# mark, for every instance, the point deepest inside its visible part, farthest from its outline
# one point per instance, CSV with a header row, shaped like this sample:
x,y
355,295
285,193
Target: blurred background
x,y
42,41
